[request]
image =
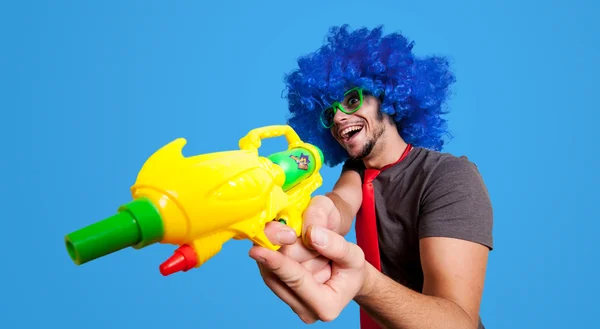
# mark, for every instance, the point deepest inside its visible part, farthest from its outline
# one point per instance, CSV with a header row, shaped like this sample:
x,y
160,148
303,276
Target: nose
x,y
340,117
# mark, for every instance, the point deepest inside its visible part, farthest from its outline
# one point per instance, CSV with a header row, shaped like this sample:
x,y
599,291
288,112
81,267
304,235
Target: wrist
x,y
368,285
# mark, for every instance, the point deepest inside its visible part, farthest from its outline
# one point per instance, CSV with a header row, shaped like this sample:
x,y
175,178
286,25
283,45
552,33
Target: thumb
x,y
334,247
313,216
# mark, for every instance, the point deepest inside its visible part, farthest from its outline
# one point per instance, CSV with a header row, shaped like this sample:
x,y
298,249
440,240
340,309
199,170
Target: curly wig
x,y
413,90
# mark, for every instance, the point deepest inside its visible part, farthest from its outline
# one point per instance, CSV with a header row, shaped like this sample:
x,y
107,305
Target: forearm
x,y
394,306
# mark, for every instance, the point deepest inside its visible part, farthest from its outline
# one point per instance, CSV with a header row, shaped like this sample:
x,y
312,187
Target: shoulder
x,y
438,167
453,172
455,201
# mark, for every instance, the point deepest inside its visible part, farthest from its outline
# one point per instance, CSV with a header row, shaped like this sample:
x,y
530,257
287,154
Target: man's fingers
x,y
287,295
316,264
314,215
280,234
280,289
298,252
291,272
333,246
294,275
323,275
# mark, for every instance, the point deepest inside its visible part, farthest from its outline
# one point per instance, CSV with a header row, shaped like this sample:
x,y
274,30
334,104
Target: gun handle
x,y
253,140
288,216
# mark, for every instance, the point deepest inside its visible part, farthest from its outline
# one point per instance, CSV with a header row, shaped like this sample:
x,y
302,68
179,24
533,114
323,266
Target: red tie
x,y
366,228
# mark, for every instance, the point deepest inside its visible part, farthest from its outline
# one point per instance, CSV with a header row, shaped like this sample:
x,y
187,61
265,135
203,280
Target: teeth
x,y
348,130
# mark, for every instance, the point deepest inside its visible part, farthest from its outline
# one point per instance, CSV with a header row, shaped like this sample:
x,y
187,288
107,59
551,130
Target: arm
x,y
346,197
455,239
454,273
340,205
343,202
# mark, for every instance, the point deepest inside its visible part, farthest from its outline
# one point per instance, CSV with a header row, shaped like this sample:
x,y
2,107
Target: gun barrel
x,y
136,224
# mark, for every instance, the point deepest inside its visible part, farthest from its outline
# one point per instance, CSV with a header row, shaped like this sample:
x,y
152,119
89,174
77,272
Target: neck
x,y
389,149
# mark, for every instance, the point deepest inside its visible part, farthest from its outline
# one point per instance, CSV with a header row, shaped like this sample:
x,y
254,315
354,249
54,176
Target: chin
x,y
356,152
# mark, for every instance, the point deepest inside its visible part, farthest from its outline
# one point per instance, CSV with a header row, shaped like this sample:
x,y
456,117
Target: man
x,y
423,218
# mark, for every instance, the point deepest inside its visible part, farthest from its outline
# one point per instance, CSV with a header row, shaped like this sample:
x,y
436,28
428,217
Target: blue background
x,y
91,89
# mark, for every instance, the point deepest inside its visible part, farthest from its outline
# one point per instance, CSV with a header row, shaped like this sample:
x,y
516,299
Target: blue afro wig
x,y
413,90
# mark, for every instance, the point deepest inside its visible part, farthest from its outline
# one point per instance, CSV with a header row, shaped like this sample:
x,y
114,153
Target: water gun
x,y
199,203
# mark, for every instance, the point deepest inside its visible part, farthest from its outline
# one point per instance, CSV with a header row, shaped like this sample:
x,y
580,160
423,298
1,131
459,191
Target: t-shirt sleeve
x,y
456,203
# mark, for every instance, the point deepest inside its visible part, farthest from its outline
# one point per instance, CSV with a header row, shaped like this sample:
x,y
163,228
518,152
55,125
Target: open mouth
x,y
350,132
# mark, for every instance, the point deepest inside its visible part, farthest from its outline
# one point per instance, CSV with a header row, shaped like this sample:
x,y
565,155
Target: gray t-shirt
x,y
428,193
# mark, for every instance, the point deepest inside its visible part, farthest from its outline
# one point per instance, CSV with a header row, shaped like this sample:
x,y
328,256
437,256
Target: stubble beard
x,y
371,142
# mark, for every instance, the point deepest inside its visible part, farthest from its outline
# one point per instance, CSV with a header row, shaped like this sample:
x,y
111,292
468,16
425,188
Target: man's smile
x,y
348,132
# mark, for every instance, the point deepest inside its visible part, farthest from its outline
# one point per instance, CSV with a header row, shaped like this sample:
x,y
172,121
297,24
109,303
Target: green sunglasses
x,y
353,100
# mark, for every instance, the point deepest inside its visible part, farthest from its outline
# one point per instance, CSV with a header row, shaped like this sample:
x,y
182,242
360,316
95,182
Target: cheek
x,y
332,132
367,115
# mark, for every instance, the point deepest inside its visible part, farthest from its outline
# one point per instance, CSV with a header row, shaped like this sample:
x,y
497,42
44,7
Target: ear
x,y
391,120
386,118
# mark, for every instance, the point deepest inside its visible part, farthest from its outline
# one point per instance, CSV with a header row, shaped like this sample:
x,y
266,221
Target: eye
x,y
352,103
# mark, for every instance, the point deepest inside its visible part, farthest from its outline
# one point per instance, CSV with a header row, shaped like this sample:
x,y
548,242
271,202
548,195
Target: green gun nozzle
x,y
136,224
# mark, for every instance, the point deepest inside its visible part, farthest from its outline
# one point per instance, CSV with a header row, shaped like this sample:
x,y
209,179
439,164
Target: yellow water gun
x,y
198,203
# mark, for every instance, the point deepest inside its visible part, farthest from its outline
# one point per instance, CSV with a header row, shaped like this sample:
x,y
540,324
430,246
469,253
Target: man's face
x,y
360,131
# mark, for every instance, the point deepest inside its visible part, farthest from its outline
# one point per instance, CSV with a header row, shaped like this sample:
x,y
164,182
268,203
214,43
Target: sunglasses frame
x,y
338,106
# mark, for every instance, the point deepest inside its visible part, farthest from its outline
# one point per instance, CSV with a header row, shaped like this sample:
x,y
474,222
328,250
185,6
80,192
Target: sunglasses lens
x,y
327,116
